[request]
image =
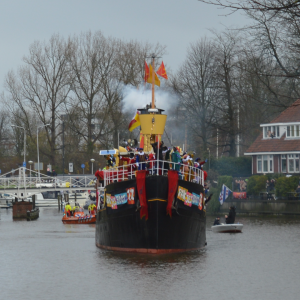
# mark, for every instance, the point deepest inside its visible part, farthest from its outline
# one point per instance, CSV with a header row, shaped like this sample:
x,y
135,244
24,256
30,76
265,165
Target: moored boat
x,y
33,214
227,228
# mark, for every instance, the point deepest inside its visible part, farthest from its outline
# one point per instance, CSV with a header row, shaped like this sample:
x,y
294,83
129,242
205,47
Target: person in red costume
x,y
131,164
151,163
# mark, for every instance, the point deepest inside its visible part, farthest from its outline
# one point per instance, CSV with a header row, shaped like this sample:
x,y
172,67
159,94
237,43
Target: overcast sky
x,y
174,23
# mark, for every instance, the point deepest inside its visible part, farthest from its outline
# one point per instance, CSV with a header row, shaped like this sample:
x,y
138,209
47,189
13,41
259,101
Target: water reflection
x,y
44,259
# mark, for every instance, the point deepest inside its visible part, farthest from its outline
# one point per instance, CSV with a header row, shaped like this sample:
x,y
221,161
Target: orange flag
x,y
156,80
146,72
162,71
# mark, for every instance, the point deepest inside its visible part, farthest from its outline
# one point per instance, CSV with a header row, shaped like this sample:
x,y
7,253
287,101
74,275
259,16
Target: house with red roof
x,y
277,148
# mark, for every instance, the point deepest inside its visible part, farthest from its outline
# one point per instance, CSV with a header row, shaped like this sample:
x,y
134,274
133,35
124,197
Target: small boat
x,y
227,228
79,218
33,214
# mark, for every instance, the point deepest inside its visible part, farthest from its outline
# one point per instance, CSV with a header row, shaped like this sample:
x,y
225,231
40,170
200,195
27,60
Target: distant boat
x,y
227,228
79,218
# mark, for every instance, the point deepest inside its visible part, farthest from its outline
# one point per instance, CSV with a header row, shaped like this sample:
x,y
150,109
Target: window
x,y
288,131
265,163
265,132
283,163
258,163
293,163
271,131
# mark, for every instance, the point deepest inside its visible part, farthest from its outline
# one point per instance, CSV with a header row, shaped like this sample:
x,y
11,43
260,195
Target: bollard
x,y
59,201
33,201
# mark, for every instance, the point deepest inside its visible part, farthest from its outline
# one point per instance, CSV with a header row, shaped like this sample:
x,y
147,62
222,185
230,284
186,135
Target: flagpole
x,y
153,79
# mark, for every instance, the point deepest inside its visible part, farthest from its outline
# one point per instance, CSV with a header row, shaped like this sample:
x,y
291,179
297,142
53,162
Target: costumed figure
x,y
166,157
131,164
151,163
186,160
199,164
176,159
100,181
158,148
141,159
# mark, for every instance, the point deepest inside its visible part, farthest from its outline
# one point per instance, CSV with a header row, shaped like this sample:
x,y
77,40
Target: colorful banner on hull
x,y
113,201
190,199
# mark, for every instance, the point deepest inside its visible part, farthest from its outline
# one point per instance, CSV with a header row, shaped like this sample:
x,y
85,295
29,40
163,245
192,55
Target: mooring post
x,y
33,201
59,201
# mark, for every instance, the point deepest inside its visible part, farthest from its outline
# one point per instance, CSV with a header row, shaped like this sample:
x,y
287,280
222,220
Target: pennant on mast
x,y
162,71
156,80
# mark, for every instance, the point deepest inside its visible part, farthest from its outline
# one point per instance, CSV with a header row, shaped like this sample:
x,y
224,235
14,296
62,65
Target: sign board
x,y
24,164
107,152
36,166
71,167
49,168
83,166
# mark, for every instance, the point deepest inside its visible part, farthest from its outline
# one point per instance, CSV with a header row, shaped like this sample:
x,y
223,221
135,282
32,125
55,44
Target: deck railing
x,y
157,167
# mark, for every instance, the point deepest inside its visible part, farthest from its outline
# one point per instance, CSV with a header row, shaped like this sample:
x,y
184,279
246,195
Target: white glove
x,y
137,164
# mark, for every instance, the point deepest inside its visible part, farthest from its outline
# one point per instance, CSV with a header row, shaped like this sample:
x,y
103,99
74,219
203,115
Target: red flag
x,y
162,71
146,72
141,188
173,183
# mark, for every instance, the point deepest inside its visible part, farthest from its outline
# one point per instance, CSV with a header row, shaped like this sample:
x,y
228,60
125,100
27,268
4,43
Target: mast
x,y
153,78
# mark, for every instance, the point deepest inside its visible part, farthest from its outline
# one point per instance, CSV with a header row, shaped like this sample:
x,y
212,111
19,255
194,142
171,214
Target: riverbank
x,y
262,207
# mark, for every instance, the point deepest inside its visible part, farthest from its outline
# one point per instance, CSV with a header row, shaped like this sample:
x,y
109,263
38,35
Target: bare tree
x,y
196,85
40,88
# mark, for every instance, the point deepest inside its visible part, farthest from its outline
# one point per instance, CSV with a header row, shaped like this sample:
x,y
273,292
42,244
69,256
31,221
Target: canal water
x,y
46,259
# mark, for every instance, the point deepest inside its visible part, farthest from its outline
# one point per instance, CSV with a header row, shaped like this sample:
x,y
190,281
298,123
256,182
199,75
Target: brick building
x,y
277,148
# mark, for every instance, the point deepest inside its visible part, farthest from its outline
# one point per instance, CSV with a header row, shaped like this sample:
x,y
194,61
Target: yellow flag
x,y
156,80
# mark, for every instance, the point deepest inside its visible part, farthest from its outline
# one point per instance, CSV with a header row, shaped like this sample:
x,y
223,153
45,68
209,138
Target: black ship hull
x,y
122,229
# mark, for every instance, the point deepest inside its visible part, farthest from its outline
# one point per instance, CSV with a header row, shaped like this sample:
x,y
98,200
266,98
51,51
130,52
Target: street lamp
x,y
30,163
24,162
37,145
92,160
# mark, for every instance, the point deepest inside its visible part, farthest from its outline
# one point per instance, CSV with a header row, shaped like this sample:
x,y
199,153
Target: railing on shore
x,y
46,182
157,167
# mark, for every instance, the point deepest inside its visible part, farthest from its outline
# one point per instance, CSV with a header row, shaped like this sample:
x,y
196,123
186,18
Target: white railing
x,y
43,181
156,167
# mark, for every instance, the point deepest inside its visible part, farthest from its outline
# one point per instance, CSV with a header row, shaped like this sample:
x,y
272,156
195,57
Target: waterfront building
x,y
277,148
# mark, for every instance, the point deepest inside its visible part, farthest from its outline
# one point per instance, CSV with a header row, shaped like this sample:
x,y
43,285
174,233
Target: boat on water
x,y
6,200
79,218
158,210
227,228
33,214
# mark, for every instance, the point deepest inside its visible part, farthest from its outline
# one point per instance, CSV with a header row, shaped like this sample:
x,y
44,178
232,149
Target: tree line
x,y
71,90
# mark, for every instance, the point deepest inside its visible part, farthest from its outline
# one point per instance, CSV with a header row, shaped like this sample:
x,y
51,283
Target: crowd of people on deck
x,y
168,159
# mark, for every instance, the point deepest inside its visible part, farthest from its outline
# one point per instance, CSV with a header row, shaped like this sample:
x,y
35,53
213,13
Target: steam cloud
x,y
134,98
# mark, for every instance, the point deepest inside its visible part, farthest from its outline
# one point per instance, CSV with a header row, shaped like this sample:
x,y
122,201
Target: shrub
x,y
256,184
286,185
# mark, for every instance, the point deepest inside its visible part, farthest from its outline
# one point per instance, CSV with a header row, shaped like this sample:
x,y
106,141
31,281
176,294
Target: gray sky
x,y
174,23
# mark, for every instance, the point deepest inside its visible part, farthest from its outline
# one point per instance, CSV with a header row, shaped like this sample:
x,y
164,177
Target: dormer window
x,y
292,131
271,132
